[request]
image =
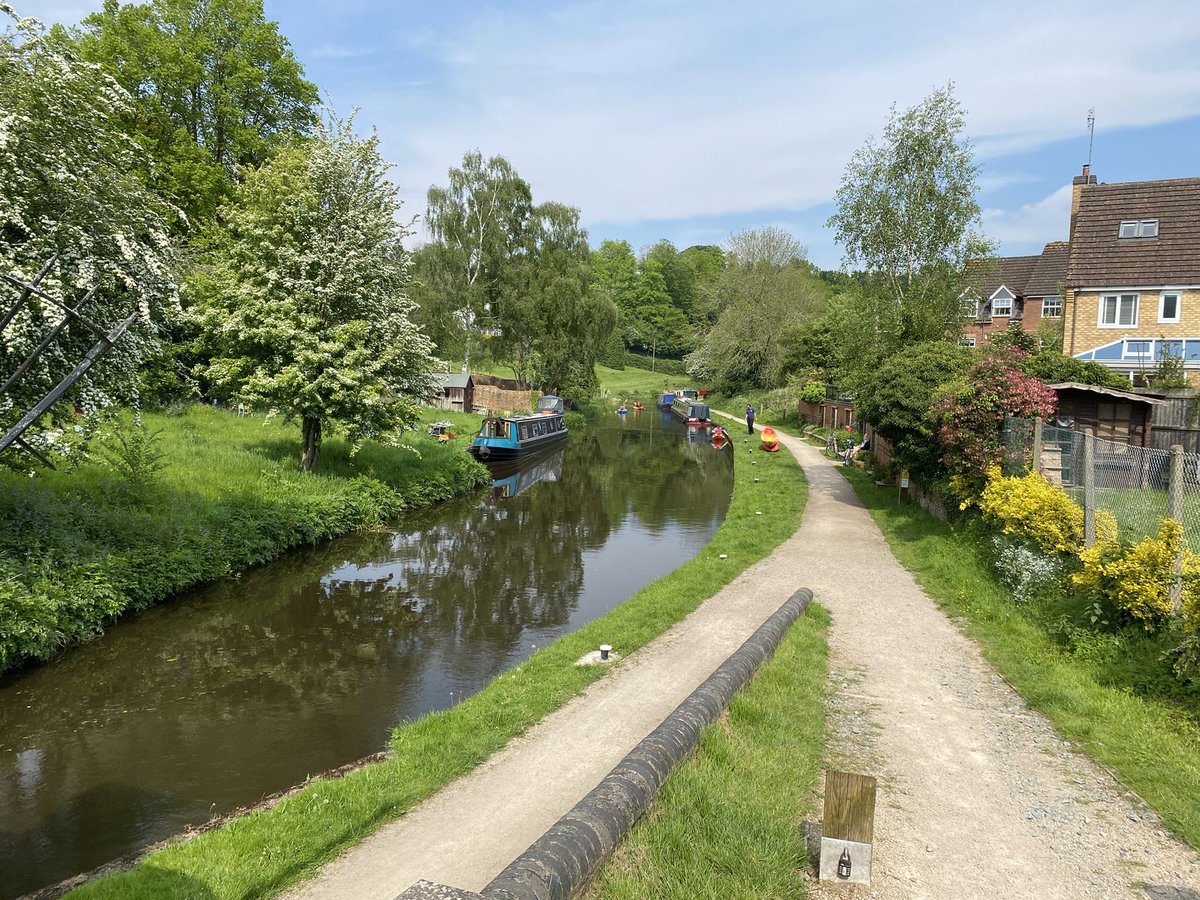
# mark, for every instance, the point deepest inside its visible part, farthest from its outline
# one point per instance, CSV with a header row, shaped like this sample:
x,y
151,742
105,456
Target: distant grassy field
x,y
637,383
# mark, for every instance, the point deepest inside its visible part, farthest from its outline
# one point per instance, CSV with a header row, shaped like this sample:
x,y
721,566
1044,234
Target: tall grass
x,y
79,548
263,853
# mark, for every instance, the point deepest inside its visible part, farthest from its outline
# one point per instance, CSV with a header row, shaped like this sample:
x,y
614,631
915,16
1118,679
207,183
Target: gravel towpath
x,y
979,797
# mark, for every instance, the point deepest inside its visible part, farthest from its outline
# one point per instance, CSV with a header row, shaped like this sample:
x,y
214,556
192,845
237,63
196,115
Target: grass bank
x,y
262,853
79,548
1092,694
727,822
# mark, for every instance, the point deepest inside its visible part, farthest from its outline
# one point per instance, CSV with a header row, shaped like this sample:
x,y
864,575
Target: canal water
x,y
246,687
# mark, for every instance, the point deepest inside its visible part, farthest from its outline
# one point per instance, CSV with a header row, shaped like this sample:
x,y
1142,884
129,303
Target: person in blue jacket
x,y
750,420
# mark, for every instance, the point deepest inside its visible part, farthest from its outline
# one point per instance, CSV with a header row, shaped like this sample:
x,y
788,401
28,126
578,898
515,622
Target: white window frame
x,y
968,342
1117,323
1128,352
968,305
1162,302
1057,307
1133,228
1008,297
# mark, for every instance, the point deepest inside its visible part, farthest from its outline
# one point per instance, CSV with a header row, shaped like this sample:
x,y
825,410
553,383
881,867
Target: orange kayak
x,y
770,442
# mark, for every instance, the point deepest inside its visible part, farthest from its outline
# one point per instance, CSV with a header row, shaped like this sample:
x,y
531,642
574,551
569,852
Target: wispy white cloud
x,y
1034,223
682,110
642,111
334,51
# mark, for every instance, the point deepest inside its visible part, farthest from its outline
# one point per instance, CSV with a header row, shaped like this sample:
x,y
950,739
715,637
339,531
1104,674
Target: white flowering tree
x,y
302,298
67,194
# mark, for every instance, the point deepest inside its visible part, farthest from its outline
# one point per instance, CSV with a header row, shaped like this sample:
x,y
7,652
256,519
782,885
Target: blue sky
x,y
694,120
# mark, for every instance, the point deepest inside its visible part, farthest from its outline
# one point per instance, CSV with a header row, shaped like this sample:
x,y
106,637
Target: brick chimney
x,y
1077,186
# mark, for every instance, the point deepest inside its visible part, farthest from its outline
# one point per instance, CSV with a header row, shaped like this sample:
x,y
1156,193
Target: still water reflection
x,y
246,687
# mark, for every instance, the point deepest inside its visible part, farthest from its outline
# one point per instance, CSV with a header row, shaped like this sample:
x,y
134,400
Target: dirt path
x,y
979,796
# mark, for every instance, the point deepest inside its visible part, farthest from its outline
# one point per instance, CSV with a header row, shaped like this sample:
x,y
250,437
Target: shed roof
x,y
453,379
1108,392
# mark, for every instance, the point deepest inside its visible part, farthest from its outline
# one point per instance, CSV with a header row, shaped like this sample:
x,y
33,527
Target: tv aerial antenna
x,y
1091,134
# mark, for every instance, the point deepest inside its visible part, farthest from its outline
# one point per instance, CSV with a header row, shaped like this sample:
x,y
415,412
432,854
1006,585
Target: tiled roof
x,y
1051,272
1098,258
1011,271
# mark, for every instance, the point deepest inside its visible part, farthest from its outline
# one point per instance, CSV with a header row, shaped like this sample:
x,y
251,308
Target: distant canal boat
x,y
511,437
690,411
665,401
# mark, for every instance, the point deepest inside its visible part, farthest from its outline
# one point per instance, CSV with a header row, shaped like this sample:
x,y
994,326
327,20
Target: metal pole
x,y
1089,489
1175,511
1036,463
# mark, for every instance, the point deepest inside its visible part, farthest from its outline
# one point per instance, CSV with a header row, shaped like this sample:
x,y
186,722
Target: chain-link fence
x,y
1139,486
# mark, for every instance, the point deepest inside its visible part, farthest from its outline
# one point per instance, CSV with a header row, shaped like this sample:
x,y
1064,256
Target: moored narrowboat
x,y
510,437
690,411
665,401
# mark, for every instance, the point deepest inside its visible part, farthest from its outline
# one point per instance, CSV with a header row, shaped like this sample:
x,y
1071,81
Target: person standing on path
x,y
749,420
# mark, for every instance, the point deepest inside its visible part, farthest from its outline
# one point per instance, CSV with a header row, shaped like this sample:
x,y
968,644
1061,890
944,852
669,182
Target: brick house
x,y
1013,290
1133,275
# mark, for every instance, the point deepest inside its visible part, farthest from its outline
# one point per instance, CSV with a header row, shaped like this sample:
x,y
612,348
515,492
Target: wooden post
x,y
1036,462
1175,511
1089,488
848,828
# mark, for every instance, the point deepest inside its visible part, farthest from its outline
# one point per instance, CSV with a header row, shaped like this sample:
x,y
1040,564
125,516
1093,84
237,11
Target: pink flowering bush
x,y
972,410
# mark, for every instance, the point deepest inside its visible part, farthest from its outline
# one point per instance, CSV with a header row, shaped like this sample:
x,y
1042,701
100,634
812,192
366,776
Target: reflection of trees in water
x,y
307,661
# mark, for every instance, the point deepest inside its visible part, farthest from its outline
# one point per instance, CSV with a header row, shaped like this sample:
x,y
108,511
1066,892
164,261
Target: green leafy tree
x,y
302,302
679,278
615,273
907,214
655,323
478,224
555,323
765,288
216,88
69,192
898,399
615,276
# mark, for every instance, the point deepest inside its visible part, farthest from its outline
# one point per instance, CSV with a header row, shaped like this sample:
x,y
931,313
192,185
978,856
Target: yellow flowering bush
x,y
1030,507
1137,578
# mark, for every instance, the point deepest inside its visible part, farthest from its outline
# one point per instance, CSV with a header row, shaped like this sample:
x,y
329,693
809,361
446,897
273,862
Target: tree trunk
x,y
311,428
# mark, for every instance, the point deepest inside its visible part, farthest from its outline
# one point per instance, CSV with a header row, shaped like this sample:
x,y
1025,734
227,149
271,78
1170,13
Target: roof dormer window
x,y
1002,302
1146,228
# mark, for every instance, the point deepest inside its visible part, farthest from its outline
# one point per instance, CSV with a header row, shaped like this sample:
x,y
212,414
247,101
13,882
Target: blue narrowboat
x,y
690,411
511,437
665,401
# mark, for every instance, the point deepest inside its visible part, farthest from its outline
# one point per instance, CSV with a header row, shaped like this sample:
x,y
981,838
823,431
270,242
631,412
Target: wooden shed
x,y
1110,414
455,392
